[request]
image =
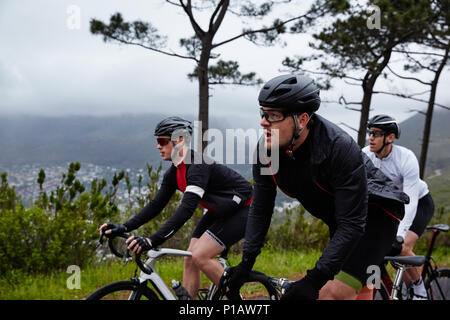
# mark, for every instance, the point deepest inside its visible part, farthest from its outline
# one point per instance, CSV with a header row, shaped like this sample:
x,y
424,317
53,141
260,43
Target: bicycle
x,y
275,287
436,280
138,288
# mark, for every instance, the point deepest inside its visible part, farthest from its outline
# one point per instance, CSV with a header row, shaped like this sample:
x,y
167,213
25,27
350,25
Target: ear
x,y
303,119
390,138
180,140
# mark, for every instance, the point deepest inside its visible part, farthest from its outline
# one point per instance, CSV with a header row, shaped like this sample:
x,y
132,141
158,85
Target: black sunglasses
x,y
162,141
274,115
375,133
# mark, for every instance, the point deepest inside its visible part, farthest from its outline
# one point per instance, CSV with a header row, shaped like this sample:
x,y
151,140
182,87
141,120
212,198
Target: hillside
x,y
128,142
439,147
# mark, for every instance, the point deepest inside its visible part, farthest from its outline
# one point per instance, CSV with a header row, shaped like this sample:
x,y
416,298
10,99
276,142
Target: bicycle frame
x,y
153,256
429,272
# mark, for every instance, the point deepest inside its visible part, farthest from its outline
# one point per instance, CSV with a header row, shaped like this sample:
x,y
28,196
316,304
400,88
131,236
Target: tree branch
x,y
408,78
341,76
346,125
419,111
188,9
153,49
262,30
415,52
401,95
214,25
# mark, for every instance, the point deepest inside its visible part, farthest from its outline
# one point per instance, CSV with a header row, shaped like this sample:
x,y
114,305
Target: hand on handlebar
x,y
112,230
236,277
138,244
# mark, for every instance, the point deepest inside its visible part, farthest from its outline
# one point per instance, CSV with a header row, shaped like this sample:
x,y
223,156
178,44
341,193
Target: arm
x,y
183,213
349,181
197,180
410,169
260,214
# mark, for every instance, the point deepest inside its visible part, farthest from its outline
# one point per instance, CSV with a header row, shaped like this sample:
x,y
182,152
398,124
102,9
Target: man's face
x,y
279,127
376,138
165,147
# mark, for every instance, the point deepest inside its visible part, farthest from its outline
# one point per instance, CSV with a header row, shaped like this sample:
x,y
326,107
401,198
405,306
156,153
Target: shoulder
x,y
404,156
170,174
329,133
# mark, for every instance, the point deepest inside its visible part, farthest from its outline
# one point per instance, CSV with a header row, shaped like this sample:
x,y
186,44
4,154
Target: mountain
x,y
127,141
439,147
119,141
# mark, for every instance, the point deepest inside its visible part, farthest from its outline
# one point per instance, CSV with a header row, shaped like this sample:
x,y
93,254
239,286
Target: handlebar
x,y
128,256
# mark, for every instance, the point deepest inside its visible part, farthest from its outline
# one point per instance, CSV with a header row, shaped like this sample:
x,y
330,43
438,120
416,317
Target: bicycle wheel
x,y
438,286
258,287
124,290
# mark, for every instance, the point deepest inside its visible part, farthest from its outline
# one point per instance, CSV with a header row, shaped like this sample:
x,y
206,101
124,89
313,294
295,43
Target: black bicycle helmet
x,y
294,92
167,126
386,123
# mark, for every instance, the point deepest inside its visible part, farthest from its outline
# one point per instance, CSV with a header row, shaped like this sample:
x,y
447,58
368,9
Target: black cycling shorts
x,y
371,249
425,211
225,230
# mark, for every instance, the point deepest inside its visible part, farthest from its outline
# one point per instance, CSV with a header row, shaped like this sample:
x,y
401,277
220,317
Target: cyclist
x,y
401,166
322,167
224,193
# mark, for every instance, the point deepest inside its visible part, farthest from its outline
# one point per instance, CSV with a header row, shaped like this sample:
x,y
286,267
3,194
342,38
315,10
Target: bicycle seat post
x,y
397,282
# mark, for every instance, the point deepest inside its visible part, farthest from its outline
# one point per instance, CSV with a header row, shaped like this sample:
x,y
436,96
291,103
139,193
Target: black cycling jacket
x,y
328,176
211,185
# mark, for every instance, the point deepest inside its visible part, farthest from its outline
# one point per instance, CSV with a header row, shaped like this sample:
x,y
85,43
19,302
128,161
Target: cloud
x,y
49,69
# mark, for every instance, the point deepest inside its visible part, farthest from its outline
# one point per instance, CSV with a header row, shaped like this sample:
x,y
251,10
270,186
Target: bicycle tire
x,y
438,286
255,277
124,290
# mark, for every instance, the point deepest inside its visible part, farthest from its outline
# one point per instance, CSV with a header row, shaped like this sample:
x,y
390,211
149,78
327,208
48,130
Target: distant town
x,y
24,178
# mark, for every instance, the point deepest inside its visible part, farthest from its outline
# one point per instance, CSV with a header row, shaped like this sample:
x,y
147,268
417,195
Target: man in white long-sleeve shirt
x,y
401,166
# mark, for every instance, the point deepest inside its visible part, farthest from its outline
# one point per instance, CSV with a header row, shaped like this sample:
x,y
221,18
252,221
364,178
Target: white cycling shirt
x,y
402,167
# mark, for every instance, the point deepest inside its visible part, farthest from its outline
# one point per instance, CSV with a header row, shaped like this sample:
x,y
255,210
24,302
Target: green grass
x,y
20,286
273,262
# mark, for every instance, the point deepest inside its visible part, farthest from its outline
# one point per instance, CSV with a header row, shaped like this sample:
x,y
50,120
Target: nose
x,y
264,122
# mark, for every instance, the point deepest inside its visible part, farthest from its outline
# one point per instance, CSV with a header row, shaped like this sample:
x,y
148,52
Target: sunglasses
x,y
274,115
376,134
163,141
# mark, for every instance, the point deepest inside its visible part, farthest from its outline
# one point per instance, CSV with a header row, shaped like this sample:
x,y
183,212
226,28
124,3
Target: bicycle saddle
x,y
440,227
407,261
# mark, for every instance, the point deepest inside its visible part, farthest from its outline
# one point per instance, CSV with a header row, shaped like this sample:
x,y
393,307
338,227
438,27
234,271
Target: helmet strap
x,y
297,133
384,145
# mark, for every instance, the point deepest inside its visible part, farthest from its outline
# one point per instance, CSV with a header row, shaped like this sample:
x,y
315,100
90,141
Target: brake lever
x,y
100,241
128,257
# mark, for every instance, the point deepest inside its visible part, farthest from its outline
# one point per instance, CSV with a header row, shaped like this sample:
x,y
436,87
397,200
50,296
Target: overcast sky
x,y
46,68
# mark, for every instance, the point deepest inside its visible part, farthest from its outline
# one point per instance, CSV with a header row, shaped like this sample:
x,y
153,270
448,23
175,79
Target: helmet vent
x,y
279,92
292,80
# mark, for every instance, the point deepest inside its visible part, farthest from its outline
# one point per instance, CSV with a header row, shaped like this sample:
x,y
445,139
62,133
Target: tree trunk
x,y
368,84
429,115
427,130
365,109
203,85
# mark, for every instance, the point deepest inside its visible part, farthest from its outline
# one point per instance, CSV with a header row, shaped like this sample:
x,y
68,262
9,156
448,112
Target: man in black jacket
x,y
321,166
